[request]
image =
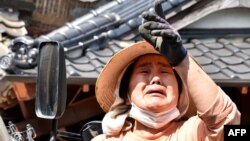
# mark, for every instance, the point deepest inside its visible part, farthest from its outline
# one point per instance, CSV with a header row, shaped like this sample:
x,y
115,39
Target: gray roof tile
x,y
229,74
218,76
202,48
114,47
244,76
96,63
71,71
223,41
242,45
247,62
211,69
232,48
80,60
189,45
203,60
106,52
220,64
103,60
90,55
222,52
247,40
211,56
220,67
225,59
242,55
214,45
196,52
232,60
84,67
195,41
246,51
239,69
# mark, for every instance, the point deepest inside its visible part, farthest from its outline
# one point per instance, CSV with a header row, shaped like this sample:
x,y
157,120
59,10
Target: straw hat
x,y
109,78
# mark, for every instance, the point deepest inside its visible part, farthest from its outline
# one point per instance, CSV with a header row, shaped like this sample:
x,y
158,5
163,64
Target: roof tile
x,y
90,55
247,63
244,76
211,69
225,58
189,45
96,63
202,48
232,60
242,55
240,68
71,71
242,45
222,52
232,48
106,52
203,60
246,51
195,52
229,73
83,67
211,56
218,76
214,45
223,41
220,64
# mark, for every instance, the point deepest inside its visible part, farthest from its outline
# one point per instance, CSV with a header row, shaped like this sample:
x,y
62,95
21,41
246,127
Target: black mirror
x,y
51,88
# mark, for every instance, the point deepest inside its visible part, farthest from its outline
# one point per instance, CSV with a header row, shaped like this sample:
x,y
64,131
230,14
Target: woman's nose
x,y
155,80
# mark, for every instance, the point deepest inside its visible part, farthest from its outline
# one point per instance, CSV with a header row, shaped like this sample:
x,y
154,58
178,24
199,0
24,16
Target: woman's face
x,y
153,85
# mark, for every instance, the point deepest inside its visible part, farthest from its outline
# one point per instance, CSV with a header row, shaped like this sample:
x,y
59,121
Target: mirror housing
x,y
51,88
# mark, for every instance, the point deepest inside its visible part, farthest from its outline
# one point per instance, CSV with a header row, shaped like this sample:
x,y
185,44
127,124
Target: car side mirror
x,y
51,88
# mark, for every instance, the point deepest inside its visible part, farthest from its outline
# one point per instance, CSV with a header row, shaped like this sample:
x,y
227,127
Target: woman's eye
x,y
164,71
144,71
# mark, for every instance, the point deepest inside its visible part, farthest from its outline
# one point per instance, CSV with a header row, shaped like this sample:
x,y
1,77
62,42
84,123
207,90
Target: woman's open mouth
x,y
155,91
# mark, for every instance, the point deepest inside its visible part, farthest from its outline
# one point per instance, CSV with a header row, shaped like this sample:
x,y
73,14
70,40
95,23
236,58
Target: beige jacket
x,y
207,126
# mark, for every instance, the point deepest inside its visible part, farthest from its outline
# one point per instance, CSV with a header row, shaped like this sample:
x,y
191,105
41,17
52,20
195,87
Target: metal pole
x,y
53,130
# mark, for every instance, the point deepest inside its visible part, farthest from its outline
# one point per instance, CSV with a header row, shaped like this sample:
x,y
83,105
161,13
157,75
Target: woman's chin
x,y
156,104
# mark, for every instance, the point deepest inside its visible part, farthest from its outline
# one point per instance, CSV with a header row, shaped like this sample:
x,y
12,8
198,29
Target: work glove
x,y
160,34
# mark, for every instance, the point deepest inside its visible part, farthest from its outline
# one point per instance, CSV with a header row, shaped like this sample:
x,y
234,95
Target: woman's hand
x,y
158,32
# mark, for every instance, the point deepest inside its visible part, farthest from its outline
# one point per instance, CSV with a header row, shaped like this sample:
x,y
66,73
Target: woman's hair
x,y
124,85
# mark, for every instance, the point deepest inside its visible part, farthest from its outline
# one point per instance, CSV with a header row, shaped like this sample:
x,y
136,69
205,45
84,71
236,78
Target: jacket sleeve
x,y
201,88
222,112
215,109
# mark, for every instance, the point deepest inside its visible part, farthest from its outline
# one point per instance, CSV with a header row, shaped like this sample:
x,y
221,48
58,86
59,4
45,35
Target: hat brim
x,y
107,81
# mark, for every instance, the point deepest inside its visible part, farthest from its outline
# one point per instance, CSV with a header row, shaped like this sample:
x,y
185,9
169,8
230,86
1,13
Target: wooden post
x,y
244,90
24,91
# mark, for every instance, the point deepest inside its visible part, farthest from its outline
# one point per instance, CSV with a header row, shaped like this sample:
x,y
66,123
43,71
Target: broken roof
x,y
92,39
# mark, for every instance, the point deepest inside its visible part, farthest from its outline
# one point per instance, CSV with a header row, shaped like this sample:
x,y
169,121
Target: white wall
x,y
228,18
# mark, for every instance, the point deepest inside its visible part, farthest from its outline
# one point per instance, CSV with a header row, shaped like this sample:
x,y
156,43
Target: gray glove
x,y
158,32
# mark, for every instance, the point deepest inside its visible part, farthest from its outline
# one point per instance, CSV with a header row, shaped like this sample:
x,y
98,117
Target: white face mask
x,y
153,120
